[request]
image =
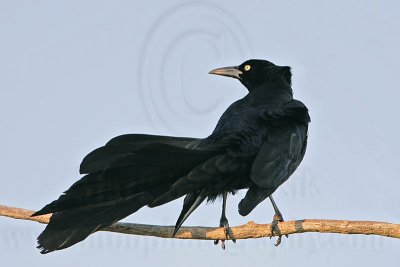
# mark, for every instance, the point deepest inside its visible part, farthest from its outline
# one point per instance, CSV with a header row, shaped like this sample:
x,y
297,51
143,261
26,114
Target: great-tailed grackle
x,y
258,143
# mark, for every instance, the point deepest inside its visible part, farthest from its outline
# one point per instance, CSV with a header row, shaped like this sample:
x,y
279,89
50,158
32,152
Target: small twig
x,y
249,230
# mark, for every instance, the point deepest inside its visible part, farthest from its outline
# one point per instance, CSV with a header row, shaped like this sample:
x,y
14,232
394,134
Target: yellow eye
x,y
247,67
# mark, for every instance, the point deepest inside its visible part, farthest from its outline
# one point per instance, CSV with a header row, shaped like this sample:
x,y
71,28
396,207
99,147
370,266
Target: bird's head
x,y
254,73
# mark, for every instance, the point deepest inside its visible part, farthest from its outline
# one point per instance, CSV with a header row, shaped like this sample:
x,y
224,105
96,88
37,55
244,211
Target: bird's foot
x,y
228,232
275,229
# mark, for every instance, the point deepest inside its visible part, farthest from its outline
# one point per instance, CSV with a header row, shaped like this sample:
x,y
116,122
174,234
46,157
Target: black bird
x,y
258,143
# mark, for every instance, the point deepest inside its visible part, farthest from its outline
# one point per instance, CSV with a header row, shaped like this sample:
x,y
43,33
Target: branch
x,y
249,230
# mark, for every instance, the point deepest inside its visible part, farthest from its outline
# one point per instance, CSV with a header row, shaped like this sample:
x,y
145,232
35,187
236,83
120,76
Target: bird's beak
x,y
233,72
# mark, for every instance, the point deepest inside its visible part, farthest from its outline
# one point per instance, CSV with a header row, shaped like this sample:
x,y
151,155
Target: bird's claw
x,y
275,229
228,233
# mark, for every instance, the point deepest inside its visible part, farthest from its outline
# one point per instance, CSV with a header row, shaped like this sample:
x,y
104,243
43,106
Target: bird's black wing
x,y
280,154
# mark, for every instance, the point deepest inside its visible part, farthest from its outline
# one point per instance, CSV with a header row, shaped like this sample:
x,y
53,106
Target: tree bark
x,y
249,230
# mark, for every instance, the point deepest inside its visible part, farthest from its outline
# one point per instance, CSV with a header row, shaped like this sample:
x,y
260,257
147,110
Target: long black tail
x,y
126,174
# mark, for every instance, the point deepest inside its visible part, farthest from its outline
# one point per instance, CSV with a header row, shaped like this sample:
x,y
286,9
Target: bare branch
x,y
249,230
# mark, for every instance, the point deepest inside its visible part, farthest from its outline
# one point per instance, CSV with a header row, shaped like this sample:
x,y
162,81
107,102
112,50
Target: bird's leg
x,y
274,224
223,222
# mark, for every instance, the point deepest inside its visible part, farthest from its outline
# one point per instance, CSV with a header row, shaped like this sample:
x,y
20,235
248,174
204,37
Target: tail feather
x,y
146,138
67,228
129,175
93,189
127,144
191,202
126,184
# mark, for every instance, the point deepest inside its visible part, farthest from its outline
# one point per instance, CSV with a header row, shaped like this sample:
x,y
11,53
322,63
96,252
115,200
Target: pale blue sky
x,y
73,74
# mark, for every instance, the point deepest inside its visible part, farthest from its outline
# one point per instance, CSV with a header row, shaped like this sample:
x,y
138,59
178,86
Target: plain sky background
x,y
74,74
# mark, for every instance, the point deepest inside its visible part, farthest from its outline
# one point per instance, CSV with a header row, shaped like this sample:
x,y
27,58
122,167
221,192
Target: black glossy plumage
x,y
258,143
